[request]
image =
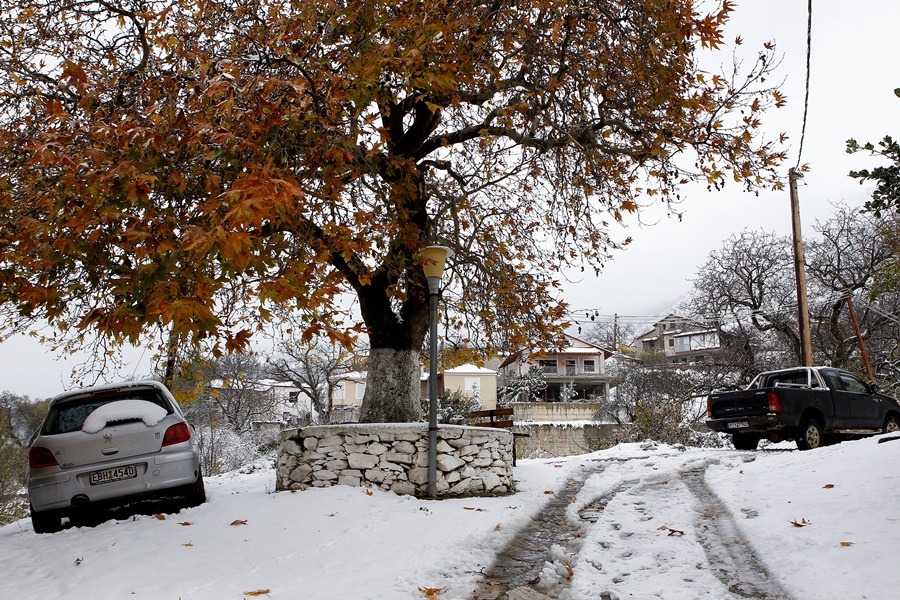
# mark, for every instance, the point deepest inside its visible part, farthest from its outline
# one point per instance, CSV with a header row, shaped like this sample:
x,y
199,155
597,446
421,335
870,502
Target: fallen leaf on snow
x,y
188,545
473,508
497,527
368,492
254,593
548,491
159,516
239,522
672,532
827,486
429,592
185,523
846,544
800,523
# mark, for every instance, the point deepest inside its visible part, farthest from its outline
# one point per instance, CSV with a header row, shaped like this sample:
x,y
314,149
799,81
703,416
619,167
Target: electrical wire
x,y
806,99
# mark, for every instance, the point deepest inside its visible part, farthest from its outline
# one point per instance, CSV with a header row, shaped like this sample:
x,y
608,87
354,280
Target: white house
x,y
576,370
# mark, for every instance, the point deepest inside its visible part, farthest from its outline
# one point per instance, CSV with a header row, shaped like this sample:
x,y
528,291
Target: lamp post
x,y
434,259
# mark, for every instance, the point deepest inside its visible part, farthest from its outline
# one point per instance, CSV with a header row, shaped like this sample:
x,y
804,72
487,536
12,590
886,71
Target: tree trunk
x,y
393,387
396,335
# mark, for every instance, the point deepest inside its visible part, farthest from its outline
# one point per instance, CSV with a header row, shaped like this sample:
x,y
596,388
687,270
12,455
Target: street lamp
x,y
434,258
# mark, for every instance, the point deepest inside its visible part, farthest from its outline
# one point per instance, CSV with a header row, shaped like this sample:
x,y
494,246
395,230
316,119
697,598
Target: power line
x,y
806,99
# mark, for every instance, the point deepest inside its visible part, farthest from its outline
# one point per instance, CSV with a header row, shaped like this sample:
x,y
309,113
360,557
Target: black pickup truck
x,y
813,405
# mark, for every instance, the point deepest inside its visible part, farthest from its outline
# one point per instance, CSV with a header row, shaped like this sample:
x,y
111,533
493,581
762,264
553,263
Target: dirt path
x,y
603,536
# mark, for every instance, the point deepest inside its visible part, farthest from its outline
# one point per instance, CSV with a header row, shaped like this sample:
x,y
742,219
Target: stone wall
x,y
471,461
550,440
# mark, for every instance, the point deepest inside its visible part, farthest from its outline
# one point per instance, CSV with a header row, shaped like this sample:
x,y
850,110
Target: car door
x,y
842,400
865,406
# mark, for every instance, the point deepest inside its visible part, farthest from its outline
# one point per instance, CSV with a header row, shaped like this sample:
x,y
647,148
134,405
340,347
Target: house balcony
x,y
569,371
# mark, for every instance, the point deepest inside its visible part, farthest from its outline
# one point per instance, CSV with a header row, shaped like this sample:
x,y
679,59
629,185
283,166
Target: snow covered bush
x,y
223,450
453,407
12,469
664,402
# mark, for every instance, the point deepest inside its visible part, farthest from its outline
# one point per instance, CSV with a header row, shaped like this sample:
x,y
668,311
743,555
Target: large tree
x,y
188,166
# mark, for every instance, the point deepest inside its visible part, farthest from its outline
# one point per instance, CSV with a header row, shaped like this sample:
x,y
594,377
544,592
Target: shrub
x,y
453,407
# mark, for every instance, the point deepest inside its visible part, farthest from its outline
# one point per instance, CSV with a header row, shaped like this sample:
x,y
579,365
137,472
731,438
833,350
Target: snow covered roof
x,y
469,369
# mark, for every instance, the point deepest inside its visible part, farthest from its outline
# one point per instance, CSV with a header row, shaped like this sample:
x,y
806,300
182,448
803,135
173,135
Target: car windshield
x,y
69,416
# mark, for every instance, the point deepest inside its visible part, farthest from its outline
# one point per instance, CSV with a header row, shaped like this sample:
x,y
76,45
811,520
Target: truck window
x,y
792,378
852,384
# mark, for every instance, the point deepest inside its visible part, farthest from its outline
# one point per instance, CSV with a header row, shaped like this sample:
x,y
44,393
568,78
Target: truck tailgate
x,y
744,403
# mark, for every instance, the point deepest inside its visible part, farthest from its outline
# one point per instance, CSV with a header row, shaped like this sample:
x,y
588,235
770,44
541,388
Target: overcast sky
x,y
855,68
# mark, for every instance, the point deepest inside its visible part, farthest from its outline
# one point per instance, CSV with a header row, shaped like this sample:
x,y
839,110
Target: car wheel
x,y
195,493
811,435
45,522
891,425
743,441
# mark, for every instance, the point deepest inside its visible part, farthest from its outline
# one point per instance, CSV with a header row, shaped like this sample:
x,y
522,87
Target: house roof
x,y
469,369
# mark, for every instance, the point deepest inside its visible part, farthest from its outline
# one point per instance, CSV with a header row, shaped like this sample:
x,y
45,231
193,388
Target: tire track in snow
x,y
730,556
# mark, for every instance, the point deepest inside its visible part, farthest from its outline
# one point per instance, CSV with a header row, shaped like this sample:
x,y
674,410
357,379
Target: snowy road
x,y
633,527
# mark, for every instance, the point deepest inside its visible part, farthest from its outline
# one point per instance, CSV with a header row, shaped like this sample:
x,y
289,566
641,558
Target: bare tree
x,y
233,393
748,285
655,399
312,367
846,258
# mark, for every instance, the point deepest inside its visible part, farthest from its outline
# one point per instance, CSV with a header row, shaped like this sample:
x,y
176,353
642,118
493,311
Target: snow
x,y
656,509
124,410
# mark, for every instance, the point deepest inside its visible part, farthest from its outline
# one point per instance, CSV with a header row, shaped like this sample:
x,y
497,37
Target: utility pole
x,y
859,339
615,339
800,271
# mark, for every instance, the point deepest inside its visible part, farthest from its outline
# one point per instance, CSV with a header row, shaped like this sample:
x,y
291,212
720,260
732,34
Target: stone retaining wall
x,y
550,440
471,461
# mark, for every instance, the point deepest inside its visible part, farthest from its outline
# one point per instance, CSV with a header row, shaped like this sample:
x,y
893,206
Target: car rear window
x,y
68,416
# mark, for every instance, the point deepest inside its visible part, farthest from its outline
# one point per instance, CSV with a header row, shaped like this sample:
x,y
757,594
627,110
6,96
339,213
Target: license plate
x,y
110,475
737,424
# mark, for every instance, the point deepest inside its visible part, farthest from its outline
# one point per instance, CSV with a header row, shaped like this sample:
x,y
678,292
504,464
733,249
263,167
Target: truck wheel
x,y
743,441
891,425
811,435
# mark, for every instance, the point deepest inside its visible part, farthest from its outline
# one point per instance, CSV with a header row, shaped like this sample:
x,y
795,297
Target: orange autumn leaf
x,y
800,523
430,592
255,593
238,522
159,517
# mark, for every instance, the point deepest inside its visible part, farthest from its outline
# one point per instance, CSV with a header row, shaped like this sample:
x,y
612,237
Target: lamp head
x,y
434,259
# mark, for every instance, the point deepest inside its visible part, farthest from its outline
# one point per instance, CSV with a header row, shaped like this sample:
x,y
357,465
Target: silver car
x,y
107,446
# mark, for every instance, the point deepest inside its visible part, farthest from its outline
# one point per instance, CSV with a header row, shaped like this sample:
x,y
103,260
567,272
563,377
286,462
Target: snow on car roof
x,y
123,410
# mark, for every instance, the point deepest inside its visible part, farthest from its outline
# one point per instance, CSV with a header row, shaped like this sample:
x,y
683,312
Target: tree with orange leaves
x,y
197,166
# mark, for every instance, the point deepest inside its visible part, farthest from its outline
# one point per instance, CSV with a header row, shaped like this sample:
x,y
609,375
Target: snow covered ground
x,y
651,521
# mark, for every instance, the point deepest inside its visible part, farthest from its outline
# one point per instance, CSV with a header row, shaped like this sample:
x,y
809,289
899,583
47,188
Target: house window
x,y
570,367
671,342
590,366
548,366
339,390
473,387
293,396
360,390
